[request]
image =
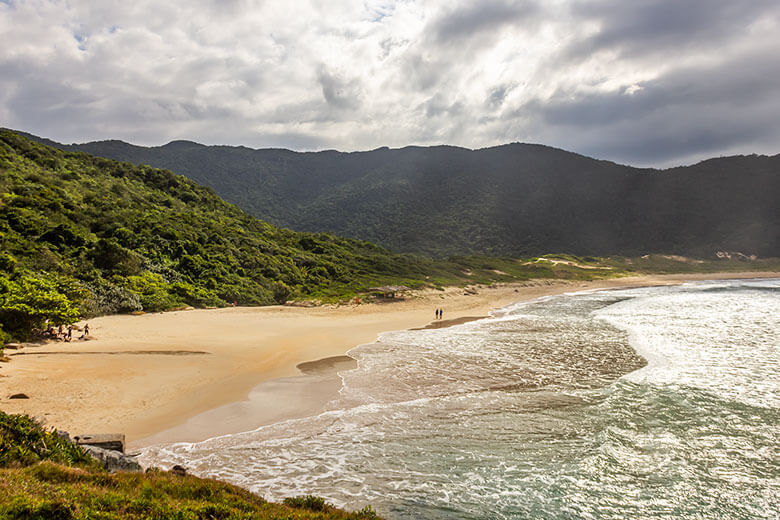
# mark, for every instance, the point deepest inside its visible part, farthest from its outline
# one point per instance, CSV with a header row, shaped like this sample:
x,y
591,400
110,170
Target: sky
x,y
641,82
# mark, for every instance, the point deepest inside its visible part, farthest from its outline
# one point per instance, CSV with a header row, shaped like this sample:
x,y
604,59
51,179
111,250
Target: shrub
x,y
109,255
24,508
196,296
281,292
28,299
310,502
7,263
108,298
153,291
4,338
24,442
366,512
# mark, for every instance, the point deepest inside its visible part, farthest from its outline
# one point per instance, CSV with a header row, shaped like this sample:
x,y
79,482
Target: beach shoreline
x,y
190,375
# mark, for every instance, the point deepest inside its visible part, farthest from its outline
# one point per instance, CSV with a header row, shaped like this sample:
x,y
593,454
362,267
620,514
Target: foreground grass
x,y
53,491
43,476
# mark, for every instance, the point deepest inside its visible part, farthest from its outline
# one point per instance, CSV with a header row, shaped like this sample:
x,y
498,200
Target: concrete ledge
x,y
106,441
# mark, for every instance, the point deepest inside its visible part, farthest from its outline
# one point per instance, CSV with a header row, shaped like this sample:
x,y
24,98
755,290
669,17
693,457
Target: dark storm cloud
x,y
338,92
457,39
641,27
421,73
685,112
471,19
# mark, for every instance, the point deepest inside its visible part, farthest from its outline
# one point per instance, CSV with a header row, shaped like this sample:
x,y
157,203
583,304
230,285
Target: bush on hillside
x,y
24,442
107,298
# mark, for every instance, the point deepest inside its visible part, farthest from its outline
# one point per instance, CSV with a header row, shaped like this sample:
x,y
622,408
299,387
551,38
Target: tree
x,y
27,300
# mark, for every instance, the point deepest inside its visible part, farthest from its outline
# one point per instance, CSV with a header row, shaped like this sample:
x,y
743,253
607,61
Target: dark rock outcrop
x,y
113,460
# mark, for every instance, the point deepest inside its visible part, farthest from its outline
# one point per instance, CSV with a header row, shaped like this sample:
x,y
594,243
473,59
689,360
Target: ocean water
x,y
647,403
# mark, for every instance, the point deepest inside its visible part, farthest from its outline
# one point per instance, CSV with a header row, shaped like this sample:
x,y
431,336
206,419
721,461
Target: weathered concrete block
x,y
107,441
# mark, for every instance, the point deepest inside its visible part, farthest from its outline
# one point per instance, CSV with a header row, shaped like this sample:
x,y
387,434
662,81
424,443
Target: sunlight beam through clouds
x,y
651,82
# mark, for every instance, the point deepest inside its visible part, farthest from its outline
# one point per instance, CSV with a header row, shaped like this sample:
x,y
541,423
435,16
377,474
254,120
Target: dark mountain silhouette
x,y
514,199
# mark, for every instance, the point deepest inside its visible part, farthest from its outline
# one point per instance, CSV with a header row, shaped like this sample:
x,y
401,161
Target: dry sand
x,y
189,375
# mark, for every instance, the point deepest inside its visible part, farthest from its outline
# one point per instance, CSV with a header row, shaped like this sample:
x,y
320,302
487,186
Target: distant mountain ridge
x,y
514,199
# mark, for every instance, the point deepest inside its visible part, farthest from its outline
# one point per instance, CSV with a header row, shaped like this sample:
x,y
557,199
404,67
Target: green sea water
x,y
646,403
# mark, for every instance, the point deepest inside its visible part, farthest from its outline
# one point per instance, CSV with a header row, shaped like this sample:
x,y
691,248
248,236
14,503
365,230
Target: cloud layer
x,y
647,82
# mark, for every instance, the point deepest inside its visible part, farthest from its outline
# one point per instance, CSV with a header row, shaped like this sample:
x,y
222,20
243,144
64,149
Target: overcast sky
x,y
643,82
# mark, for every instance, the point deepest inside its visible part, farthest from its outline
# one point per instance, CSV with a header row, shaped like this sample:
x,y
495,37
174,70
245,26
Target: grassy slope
x,y
43,476
97,220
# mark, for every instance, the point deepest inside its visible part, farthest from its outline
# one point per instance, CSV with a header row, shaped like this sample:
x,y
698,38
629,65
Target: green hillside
x,y
515,199
83,235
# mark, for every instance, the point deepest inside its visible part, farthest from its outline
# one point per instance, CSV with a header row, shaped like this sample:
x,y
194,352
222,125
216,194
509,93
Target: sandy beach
x,y
190,375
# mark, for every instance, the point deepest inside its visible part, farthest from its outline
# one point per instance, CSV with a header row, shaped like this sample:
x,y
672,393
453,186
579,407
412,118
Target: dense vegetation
x,y
511,200
43,476
83,236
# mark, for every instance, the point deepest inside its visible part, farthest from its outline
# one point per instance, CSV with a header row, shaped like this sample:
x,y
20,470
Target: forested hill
x,y
82,235
513,199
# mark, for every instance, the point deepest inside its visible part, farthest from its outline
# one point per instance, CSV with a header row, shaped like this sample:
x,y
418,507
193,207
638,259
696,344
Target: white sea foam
x,y
528,414
703,336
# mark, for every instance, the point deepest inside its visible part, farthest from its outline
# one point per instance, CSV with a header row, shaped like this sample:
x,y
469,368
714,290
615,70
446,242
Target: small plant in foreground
x,y
310,502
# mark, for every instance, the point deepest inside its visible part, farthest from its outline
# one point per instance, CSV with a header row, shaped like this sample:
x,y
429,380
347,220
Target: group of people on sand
x,y
62,334
439,313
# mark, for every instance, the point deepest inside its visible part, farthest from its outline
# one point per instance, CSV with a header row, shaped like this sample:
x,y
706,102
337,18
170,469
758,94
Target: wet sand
x,y
191,375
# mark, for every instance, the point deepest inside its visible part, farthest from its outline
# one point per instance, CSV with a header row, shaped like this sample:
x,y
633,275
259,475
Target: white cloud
x,y
352,75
